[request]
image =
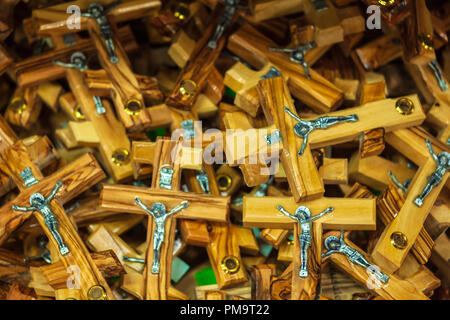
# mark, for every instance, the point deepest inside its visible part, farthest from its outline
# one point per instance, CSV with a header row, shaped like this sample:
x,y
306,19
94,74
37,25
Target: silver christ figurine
x,y
78,61
337,245
443,164
304,219
304,127
298,55
97,12
158,212
41,204
225,19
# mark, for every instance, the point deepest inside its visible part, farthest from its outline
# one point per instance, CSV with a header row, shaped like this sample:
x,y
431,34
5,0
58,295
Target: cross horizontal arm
x,y
349,214
378,114
120,198
76,178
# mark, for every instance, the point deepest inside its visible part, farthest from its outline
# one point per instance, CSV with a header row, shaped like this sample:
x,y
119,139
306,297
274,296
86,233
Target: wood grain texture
x,y
374,171
371,143
369,118
411,143
76,177
106,262
262,212
394,289
261,277
301,171
200,64
111,133
126,86
317,93
17,159
415,26
388,206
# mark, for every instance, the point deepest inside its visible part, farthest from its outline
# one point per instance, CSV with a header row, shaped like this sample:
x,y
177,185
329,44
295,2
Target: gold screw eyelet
x,y
223,182
133,107
230,264
181,11
120,157
386,3
77,113
188,87
97,292
18,105
404,106
399,240
426,40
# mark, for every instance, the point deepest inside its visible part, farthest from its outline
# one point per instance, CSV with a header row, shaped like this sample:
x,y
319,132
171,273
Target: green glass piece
x,y
156,133
179,269
257,232
205,277
265,249
229,92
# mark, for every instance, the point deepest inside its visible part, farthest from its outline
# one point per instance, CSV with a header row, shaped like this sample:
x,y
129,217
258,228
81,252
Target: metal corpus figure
x,y
78,61
298,55
203,180
337,245
443,164
97,12
158,212
41,204
304,127
225,18
304,219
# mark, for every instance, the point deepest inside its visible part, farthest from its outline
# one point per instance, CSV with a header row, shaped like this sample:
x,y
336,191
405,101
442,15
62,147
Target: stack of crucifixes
x,y
224,150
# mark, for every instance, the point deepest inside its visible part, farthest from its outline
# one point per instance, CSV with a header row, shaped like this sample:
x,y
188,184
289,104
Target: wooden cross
x,y
417,34
41,150
75,178
166,174
223,240
434,86
106,132
352,214
400,235
127,97
248,148
194,75
394,289
316,92
305,184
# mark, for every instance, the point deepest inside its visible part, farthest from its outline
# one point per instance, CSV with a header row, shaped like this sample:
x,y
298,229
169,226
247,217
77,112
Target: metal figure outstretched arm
x,y
283,211
342,236
19,208
292,114
430,148
65,64
54,191
329,253
324,212
184,204
143,206
286,50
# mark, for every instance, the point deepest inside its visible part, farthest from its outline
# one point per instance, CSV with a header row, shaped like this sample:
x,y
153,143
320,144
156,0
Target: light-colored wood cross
x,y
400,235
127,98
394,289
317,92
122,198
305,184
351,214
